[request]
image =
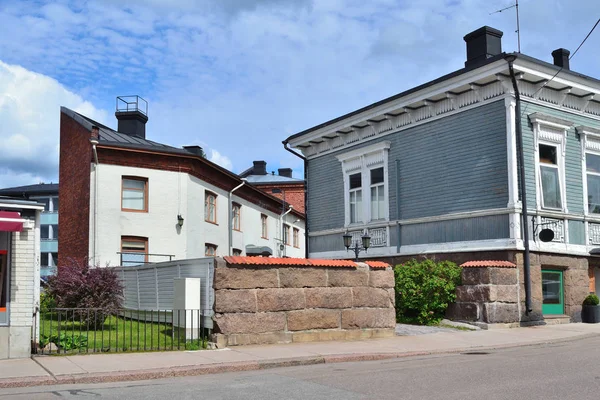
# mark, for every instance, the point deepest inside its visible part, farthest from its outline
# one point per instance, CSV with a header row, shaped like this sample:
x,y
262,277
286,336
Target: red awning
x,y
10,221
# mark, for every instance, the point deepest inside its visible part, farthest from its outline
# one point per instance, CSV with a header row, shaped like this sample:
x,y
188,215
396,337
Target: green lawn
x,y
117,334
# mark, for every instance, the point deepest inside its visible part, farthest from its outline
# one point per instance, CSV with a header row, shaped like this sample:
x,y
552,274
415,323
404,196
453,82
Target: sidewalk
x,y
47,370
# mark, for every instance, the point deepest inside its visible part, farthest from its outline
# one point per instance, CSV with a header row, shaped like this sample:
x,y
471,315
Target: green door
x,y
552,292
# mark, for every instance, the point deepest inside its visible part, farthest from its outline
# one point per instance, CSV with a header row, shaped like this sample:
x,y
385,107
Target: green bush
x,y
65,341
47,302
424,290
591,300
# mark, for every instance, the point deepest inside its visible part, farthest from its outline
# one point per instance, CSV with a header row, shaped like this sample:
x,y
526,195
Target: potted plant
x,y
590,312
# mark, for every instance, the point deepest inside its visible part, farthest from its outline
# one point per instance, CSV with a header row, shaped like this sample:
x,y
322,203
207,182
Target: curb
x,y
197,370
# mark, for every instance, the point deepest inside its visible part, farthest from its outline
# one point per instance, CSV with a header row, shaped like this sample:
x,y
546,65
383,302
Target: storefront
x,y
19,274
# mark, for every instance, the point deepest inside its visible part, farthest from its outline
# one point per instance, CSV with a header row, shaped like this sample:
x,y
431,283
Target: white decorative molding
x,y
594,234
556,225
379,237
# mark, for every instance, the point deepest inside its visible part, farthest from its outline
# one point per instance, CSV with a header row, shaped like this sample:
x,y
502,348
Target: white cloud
x,y
29,132
220,159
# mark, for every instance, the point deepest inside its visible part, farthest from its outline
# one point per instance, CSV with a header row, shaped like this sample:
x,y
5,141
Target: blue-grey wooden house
x,y
434,171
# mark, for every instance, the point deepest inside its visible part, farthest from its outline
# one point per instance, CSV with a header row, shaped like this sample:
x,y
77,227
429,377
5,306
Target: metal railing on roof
x,y
132,103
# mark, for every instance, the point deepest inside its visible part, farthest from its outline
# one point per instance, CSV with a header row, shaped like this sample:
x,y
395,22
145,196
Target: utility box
x,y
187,313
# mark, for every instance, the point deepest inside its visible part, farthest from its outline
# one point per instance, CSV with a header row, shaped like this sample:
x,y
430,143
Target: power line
x,y
561,68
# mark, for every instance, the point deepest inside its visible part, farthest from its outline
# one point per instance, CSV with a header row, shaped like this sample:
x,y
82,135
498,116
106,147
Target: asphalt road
x,y
568,370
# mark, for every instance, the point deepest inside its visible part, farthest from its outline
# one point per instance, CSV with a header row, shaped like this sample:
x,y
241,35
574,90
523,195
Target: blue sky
x,y
239,76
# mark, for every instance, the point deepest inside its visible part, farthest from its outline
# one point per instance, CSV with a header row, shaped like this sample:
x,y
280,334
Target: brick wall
x,y
74,190
487,295
283,304
294,193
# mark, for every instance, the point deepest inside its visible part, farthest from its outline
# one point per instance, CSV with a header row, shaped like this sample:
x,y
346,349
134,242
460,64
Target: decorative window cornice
x,y
364,151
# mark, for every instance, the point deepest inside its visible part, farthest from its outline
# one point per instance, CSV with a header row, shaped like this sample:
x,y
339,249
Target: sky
x,y
239,76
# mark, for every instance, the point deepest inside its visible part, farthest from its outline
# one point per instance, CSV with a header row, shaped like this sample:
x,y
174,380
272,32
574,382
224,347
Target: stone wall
x,y
274,303
488,295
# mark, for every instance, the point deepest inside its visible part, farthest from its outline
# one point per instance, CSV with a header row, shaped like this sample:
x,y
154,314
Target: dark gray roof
x,y
270,178
31,190
438,80
110,136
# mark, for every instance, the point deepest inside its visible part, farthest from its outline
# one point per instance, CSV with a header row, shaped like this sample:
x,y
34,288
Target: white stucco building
x,y
133,200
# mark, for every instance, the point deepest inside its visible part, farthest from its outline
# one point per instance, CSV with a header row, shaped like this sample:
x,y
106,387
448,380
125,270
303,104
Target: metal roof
x,y
28,190
269,178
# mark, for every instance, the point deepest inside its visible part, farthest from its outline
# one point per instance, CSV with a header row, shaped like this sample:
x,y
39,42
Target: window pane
x,y
55,232
593,183
133,199
376,175
55,204
134,184
355,181
132,259
54,259
547,154
374,207
46,203
133,245
592,163
44,231
550,187
44,259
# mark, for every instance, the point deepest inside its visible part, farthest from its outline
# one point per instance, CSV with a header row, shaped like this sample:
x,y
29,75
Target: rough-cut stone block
x,y
382,278
563,261
369,318
328,297
463,311
249,322
245,278
364,296
500,312
241,339
302,277
280,299
319,336
346,277
475,276
235,301
504,293
469,294
503,276
392,294
303,320
574,295
577,277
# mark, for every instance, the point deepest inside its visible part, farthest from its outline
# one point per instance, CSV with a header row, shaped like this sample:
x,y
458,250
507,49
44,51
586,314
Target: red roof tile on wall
x,y
377,264
488,263
243,260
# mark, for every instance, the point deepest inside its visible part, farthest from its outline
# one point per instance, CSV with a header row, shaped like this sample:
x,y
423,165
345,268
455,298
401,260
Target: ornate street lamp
x,y
366,243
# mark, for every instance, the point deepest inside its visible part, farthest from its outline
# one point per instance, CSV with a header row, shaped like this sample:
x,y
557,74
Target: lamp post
x,y
366,243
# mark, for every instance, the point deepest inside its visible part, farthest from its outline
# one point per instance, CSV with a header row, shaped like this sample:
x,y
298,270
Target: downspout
x,y
230,220
398,228
521,159
94,142
286,146
281,226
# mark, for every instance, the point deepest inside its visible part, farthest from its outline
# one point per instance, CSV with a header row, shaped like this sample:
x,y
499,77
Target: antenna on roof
x,y
518,31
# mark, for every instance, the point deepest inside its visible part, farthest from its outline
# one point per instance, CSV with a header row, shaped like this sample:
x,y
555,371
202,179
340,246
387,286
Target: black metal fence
x,y
83,330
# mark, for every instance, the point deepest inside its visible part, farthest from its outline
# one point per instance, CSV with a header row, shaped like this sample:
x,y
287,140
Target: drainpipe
x,y
286,146
281,225
521,158
94,142
230,220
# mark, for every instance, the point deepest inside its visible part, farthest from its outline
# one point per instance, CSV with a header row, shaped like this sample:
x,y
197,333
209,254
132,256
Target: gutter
x,y
521,160
286,146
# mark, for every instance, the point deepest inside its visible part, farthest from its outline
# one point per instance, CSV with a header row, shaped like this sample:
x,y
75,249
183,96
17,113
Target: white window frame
x,y
550,131
362,161
590,144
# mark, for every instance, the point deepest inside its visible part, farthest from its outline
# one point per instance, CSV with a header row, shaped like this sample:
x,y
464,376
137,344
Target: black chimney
x,y
197,150
287,172
561,58
132,115
259,168
482,44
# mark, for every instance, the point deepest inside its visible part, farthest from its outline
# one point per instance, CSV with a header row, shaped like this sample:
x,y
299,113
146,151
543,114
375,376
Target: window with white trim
x,y
550,177
210,250
592,169
366,184
550,141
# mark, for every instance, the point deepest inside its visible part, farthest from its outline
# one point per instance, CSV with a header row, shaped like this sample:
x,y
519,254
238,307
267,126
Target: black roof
x,y
31,190
438,80
110,136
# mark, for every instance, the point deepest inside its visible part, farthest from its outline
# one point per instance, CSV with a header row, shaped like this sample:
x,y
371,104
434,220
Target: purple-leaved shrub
x,y
96,292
